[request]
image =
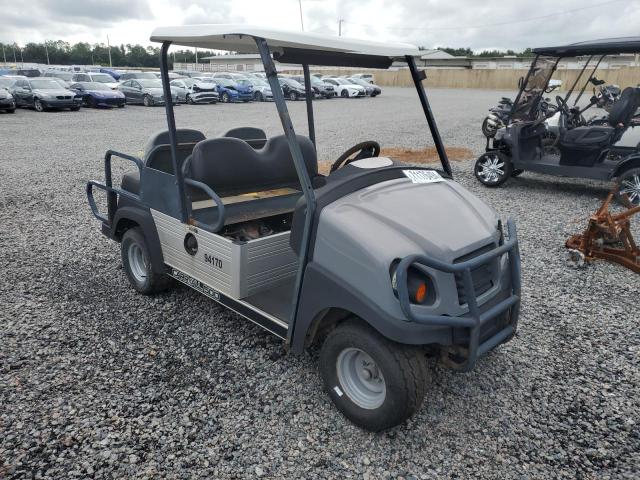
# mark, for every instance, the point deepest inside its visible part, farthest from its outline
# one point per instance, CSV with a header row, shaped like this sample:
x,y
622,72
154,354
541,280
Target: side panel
x,y
270,261
213,262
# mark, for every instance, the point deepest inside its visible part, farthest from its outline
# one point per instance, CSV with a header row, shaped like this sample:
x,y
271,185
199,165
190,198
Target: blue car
x,y
231,91
96,94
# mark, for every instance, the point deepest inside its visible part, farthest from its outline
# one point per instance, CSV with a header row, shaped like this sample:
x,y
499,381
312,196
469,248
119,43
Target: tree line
x,y
82,53
467,52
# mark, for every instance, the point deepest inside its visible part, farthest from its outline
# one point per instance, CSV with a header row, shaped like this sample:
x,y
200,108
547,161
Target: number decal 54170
x,y
215,262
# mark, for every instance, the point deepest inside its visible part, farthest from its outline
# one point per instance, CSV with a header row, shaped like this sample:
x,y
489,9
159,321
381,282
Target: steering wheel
x,y
366,149
562,105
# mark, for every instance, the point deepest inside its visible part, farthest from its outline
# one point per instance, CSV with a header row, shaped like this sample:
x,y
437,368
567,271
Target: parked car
x,y
232,91
186,73
346,89
28,72
43,94
96,94
291,89
190,90
261,89
229,75
320,89
110,71
105,78
145,91
371,89
66,77
7,82
367,77
137,75
7,102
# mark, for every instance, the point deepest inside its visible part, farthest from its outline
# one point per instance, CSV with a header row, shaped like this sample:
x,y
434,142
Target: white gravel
x,y
97,381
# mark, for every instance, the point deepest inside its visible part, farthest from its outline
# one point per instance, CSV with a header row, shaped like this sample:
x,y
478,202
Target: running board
x,y
255,315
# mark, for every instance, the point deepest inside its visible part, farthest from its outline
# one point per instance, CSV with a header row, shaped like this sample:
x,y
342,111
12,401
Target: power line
x,y
489,25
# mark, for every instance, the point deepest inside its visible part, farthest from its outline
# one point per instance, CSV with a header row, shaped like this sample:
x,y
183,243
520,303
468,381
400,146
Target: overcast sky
x,y
430,23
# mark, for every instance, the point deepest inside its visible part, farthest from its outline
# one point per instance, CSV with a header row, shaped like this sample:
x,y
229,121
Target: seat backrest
x,y
184,135
230,166
255,137
624,109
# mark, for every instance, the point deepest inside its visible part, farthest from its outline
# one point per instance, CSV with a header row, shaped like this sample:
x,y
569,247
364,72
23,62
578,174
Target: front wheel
x,y
629,192
257,96
293,96
226,98
147,101
189,100
38,105
136,261
492,169
344,94
374,382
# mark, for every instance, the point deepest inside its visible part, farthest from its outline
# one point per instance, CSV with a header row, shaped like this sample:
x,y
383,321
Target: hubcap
x,y
137,263
631,188
361,379
491,169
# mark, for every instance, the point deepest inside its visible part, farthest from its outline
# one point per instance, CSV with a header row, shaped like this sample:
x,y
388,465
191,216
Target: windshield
x,y
144,75
359,81
259,82
45,84
225,82
188,81
244,82
292,82
341,81
102,78
149,83
93,86
534,89
63,75
6,82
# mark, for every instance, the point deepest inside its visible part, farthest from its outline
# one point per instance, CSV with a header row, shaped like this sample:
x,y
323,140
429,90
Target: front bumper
x,y
482,328
7,103
110,102
357,93
204,97
61,102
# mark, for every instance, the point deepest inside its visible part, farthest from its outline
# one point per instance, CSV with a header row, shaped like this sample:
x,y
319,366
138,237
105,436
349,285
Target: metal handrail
x,y
216,199
474,319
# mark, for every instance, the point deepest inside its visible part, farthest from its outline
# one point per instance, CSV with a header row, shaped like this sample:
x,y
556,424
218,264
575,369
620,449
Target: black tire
x,y
39,106
147,101
225,98
516,172
121,105
344,93
189,100
140,274
492,169
74,109
403,369
11,110
258,97
629,192
293,96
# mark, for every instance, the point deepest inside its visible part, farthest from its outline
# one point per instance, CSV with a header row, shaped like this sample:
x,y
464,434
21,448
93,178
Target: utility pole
x,y
109,49
301,20
340,27
15,60
4,55
196,58
46,51
21,58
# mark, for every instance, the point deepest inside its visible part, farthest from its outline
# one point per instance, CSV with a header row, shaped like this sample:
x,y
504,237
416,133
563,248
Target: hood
x,y
442,219
52,91
5,93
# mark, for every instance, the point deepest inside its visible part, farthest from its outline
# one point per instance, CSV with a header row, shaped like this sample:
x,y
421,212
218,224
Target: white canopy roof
x,y
240,38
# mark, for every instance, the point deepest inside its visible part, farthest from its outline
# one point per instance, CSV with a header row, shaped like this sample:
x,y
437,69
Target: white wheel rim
x,y
631,188
137,263
361,379
491,169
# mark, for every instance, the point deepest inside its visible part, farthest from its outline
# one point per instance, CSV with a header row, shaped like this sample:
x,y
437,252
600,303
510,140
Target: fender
x,y
142,217
321,290
632,161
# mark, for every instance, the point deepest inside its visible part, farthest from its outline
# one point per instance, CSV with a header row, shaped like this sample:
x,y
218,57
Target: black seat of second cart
x,y
230,166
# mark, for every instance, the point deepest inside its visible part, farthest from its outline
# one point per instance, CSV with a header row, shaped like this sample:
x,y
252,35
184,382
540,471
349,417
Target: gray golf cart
x,y
605,147
381,262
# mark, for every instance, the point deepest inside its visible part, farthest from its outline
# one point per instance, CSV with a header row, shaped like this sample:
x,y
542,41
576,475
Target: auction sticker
x,y
423,176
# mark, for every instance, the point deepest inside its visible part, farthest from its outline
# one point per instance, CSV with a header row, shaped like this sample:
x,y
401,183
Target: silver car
x,y
146,91
191,90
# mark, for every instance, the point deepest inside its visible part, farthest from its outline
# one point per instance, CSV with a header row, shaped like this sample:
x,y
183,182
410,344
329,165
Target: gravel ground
x,y
97,381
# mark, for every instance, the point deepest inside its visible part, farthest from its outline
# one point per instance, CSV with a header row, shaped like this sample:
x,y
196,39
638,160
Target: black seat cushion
x,y
231,167
625,108
183,135
584,146
253,136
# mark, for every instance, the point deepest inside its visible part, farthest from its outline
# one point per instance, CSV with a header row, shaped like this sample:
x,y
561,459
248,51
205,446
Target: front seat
x,y
584,146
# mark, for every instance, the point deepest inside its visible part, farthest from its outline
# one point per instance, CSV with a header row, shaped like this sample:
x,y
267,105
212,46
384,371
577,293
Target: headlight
x,y
420,286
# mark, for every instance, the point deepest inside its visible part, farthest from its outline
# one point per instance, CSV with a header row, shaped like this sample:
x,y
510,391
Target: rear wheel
x,y
293,96
629,192
492,169
257,96
226,98
136,261
374,382
344,93
189,99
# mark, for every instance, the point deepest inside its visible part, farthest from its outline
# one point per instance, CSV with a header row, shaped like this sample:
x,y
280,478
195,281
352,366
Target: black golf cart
x,y
380,262
578,148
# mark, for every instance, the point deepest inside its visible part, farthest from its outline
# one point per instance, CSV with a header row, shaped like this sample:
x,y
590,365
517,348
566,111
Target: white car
x,y
105,78
191,90
346,89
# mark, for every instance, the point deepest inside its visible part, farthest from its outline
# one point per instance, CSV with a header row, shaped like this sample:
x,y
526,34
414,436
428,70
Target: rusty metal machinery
x,y
608,236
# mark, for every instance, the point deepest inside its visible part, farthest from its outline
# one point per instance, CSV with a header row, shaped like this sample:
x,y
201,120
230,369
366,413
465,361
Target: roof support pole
x,y
301,169
522,87
309,99
171,126
435,134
